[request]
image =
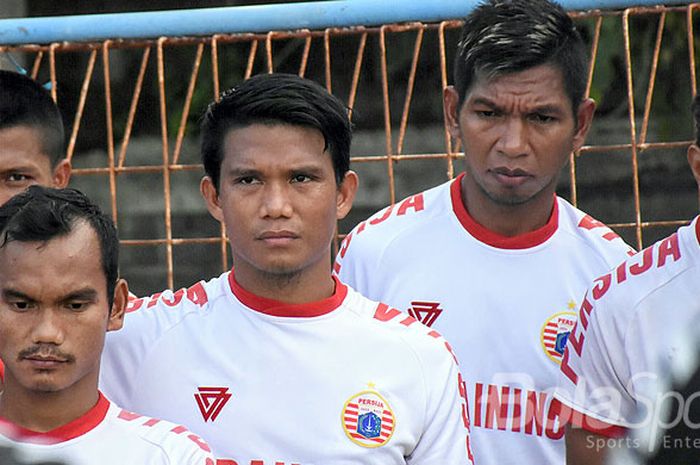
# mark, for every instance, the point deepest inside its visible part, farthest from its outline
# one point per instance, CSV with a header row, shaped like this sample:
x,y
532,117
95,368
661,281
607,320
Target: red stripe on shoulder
x,y
195,294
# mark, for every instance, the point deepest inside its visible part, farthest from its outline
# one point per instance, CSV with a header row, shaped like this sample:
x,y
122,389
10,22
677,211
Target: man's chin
x,y
45,387
510,199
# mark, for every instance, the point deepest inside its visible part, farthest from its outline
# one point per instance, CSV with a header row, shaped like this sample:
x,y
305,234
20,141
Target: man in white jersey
x,y
493,259
629,332
59,295
277,362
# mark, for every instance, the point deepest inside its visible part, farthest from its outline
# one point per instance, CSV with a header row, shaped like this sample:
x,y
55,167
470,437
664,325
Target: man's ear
x,y
450,100
61,174
211,198
121,299
694,162
346,194
584,117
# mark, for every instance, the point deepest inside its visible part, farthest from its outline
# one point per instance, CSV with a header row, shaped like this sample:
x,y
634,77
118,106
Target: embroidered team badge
x,y
211,400
425,312
555,332
368,419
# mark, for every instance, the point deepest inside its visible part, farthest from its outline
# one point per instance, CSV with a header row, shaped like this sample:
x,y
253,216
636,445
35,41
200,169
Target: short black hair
x,y
40,214
507,36
23,102
695,108
272,99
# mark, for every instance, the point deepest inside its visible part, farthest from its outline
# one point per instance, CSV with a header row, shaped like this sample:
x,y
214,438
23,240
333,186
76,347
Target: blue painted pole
x,y
259,18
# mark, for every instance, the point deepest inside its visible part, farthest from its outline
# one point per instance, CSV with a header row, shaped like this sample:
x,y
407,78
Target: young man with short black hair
x,y
31,137
59,294
277,361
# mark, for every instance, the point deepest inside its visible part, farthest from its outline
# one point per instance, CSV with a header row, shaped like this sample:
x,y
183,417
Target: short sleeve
x,y
445,437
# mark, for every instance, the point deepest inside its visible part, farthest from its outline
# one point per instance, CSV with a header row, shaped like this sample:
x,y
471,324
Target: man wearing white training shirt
x,y
277,361
493,259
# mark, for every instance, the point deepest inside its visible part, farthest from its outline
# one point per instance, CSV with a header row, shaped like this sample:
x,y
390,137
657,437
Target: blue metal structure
x,y
260,18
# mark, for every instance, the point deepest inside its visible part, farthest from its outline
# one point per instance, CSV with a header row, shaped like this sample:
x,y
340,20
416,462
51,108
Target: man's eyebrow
x,y
9,293
484,101
87,294
16,168
544,108
547,108
233,172
312,169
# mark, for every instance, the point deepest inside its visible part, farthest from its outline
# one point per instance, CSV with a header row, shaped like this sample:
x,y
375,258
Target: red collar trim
x,y
697,228
72,430
277,308
482,234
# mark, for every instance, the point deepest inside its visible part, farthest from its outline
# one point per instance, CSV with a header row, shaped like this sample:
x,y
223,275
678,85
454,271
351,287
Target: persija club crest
x,y
368,420
425,312
555,332
211,400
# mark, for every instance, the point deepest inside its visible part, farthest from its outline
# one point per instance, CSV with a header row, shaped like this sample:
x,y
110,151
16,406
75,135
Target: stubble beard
x,y
281,278
514,200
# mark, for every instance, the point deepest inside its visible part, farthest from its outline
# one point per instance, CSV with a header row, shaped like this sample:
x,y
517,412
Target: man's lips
x,y
45,356
510,177
45,361
278,237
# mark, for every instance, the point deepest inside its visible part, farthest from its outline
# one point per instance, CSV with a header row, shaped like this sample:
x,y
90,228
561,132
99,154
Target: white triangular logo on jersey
x,y
425,312
211,400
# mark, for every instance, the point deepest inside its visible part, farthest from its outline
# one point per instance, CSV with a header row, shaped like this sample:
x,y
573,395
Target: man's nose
x,y
276,201
513,140
48,328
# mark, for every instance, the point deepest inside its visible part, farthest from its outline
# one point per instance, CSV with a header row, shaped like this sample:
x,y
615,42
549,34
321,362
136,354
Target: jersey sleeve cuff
x,y
578,419
593,425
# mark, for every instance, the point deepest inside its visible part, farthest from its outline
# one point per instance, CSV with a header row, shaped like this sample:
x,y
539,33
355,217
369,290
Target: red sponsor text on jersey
x,y
657,255
590,223
211,400
416,203
195,294
518,410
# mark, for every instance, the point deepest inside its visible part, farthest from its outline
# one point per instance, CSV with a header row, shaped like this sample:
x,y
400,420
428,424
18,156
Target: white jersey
x,y
506,305
337,382
629,332
109,435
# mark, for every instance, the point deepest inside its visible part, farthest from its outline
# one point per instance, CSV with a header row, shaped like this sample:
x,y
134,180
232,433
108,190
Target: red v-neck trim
x,y
277,308
522,241
697,228
78,427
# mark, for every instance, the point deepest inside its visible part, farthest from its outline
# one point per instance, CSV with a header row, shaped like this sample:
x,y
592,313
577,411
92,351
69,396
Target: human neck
x,y
507,220
45,411
307,286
